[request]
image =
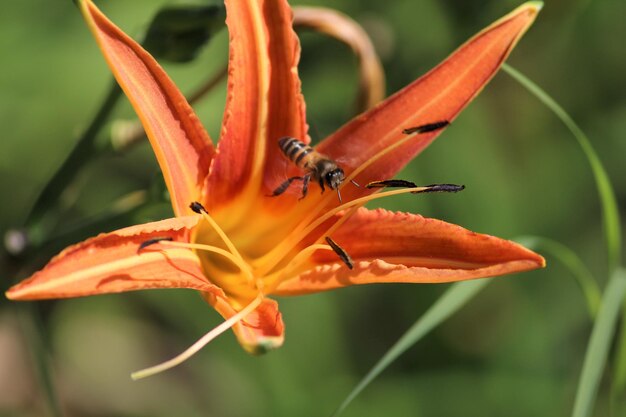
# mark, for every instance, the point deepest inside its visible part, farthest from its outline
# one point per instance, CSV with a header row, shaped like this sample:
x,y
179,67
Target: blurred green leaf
x,y
610,211
449,303
178,33
568,257
602,333
36,334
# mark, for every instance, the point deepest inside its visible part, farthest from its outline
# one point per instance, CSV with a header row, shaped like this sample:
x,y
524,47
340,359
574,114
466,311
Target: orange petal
x,y
439,95
264,100
261,331
401,247
109,263
182,146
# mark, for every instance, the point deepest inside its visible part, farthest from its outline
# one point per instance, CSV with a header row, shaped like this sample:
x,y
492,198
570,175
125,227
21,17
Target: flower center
x,y
256,265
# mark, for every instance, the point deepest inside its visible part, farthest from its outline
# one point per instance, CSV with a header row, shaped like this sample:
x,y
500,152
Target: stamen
x,y
193,349
244,267
360,202
432,188
295,262
272,258
430,127
301,257
199,208
341,252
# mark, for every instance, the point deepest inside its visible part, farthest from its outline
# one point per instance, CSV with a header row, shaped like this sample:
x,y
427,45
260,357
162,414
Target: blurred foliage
x,y
515,350
178,34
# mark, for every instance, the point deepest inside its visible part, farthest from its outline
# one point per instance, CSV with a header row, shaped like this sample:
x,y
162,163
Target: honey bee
x,y
326,171
318,167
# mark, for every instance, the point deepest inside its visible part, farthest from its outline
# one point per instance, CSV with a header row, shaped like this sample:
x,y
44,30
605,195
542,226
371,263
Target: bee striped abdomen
x,y
296,151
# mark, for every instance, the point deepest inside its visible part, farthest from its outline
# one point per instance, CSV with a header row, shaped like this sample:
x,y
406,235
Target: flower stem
x,y
82,154
30,322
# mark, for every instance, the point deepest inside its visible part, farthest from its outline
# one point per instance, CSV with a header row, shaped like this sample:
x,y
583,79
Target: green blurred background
x,y
514,350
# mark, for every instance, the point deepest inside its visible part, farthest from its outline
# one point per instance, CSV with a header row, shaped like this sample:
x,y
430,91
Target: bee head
x,y
334,178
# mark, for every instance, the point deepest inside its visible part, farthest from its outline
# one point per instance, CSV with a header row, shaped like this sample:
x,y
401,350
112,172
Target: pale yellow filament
x,y
193,349
244,267
295,262
241,263
222,235
325,199
272,258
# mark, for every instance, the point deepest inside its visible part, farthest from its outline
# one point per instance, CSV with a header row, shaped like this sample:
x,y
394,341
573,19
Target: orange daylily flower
x,y
247,246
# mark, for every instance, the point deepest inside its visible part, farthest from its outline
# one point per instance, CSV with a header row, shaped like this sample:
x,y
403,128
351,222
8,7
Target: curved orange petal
x,y
110,263
261,331
401,247
182,146
438,95
264,100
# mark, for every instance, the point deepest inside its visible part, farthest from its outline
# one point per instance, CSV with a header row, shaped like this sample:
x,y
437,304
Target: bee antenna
x,y
339,195
355,183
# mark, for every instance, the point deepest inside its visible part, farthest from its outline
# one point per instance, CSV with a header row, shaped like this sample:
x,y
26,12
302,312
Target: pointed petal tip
x,y
542,262
19,292
264,345
533,261
532,8
536,6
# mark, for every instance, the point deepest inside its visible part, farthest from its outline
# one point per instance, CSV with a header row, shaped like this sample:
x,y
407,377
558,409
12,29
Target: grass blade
x,y
612,230
586,281
450,302
599,344
610,211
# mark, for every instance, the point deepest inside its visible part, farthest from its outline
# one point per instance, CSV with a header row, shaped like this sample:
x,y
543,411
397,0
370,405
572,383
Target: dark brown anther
x,y
430,127
197,207
391,183
341,252
441,188
153,241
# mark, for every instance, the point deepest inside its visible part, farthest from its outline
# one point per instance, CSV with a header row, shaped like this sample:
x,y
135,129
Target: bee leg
x,y
321,182
283,187
305,186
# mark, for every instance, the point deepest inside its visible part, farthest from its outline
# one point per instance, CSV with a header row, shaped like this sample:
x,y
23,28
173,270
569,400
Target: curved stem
x,y
341,27
35,331
82,154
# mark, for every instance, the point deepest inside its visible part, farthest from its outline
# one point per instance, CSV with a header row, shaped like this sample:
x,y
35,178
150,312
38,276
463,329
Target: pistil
x,y
193,349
